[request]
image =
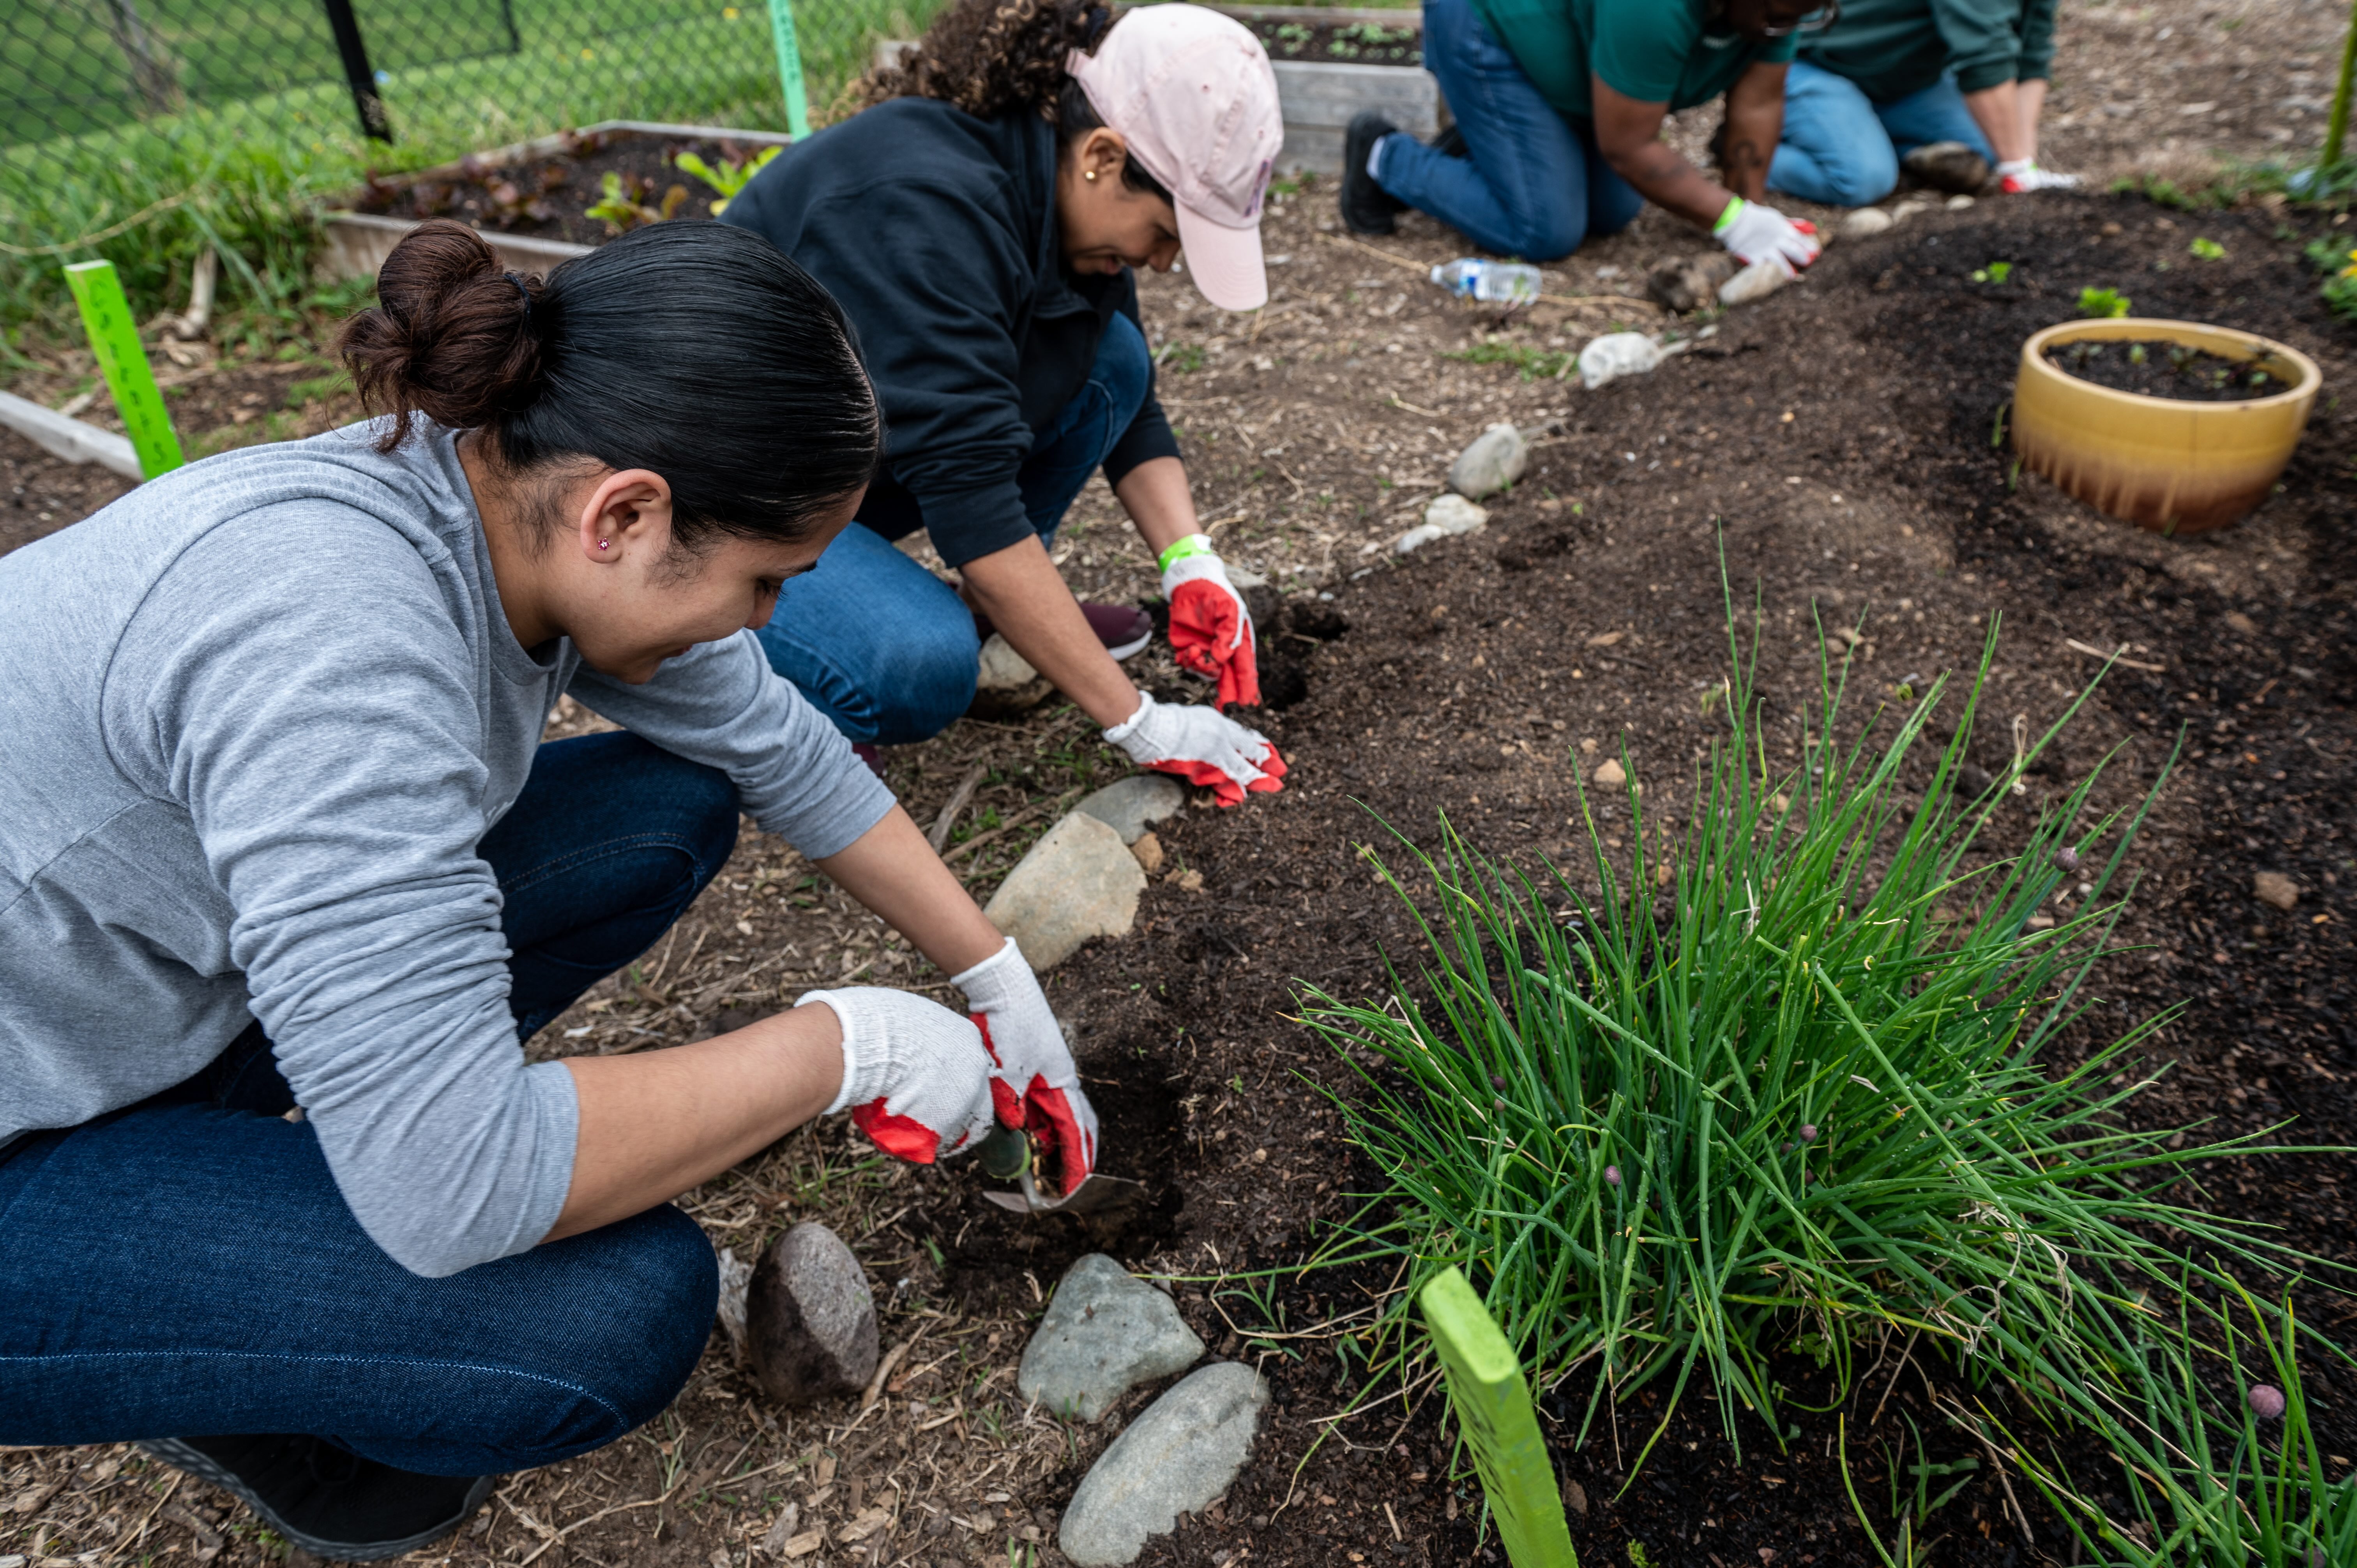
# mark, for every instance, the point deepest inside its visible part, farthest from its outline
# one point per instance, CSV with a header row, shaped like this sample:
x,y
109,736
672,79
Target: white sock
x,y
1375,158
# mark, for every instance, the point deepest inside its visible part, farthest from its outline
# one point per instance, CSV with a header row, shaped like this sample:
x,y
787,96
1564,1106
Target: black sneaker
x,y
330,1503
1451,142
1947,166
1367,207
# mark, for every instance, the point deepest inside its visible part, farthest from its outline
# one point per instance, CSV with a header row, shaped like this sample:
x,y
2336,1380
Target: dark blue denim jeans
x,y
186,1266
1840,148
1532,183
886,649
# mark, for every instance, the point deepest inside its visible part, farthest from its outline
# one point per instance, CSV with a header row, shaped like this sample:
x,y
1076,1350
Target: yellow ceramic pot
x,y
2173,466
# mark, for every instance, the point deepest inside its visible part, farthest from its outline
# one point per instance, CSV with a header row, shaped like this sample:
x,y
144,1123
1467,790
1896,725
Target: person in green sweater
x,y
1942,89
1561,104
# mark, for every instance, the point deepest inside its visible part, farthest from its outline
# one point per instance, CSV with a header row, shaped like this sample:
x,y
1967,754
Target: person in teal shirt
x,y
1560,103
1942,89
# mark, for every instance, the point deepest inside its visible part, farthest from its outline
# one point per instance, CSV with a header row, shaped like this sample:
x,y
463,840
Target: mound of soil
x,y
2157,368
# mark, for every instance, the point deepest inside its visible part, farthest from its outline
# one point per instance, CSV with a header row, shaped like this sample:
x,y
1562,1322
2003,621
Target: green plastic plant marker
x,y
790,67
1494,1412
115,338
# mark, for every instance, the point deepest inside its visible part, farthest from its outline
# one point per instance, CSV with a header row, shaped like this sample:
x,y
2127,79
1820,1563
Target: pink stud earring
x,y
605,544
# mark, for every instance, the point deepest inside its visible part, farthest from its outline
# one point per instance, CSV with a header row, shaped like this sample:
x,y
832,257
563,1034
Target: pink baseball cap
x,y
1192,93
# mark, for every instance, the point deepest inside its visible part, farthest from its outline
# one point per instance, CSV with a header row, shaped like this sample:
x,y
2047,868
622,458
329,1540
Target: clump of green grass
x,y
1535,364
1784,1081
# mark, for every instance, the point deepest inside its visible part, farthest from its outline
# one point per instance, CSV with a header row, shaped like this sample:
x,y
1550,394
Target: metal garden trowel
x,y
1008,1154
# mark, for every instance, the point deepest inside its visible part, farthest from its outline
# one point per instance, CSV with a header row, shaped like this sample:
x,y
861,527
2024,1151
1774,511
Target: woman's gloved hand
x,y
916,1076
1210,629
1036,1087
2017,176
1201,746
1753,232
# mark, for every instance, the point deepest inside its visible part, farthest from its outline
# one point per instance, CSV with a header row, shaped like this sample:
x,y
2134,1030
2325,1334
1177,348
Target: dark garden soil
x,y
1343,43
1832,448
549,198
1836,445
2157,368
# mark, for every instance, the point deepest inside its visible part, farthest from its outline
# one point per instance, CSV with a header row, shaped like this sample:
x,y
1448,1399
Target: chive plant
x,y
1785,1081
2231,1481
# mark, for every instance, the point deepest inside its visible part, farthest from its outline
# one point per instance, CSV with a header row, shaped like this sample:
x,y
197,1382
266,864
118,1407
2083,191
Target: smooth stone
x,y
1686,284
1754,282
1445,517
1129,805
1607,359
1184,1451
1909,208
1610,774
1105,1332
1958,203
1006,685
810,1318
1866,224
2274,890
1078,881
1495,459
1002,669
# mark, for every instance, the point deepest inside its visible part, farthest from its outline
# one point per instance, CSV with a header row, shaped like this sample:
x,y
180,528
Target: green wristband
x,y
1727,219
1193,544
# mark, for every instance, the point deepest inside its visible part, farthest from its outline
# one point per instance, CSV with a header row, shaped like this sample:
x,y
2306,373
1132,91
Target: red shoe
x,y
1124,629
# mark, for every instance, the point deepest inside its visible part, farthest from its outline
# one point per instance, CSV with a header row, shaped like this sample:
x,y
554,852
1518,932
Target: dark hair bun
x,y
451,337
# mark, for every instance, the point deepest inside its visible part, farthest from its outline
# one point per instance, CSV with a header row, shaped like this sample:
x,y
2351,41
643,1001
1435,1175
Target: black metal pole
x,y
349,44
507,15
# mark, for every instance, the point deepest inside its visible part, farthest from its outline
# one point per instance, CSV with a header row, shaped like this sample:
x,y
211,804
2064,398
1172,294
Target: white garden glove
x,y
2017,176
1754,232
1201,747
1036,1087
916,1075
1210,629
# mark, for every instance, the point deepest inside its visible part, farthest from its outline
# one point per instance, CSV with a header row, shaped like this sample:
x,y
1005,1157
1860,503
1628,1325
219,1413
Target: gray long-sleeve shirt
x,y
258,715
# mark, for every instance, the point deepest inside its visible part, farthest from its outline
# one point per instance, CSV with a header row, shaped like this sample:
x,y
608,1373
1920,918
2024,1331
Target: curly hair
x,y
994,56
987,57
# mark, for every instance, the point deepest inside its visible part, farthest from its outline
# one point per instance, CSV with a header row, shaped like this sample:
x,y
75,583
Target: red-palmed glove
x,y
1210,629
1201,747
1035,1085
916,1076
1753,232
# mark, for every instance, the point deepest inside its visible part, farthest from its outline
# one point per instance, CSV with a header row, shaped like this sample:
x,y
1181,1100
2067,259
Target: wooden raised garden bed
x,y
529,199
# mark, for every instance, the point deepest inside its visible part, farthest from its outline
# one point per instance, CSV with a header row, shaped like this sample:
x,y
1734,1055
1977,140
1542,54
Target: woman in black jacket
x,y
979,225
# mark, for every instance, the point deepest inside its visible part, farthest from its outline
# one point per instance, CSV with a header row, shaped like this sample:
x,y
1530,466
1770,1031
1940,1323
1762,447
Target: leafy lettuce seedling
x,y
2208,250
2104,304
1995,272
730,177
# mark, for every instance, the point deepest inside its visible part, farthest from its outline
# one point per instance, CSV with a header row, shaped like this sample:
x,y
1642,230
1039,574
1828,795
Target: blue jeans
x,y
1842,149
1531,184
886,649
186,1266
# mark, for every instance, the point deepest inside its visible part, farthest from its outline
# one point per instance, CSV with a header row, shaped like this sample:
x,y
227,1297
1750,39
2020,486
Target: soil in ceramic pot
x,y
2159,367
1337,43
551,198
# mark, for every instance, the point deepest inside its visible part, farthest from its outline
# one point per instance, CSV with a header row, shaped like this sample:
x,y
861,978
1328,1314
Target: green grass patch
x,y
1532,364
262,132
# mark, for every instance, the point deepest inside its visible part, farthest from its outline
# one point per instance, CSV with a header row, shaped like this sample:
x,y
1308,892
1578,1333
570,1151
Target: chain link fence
x,y
140,130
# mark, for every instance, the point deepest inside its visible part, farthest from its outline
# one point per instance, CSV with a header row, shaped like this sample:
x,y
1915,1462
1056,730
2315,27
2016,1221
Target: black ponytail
x,y
694,349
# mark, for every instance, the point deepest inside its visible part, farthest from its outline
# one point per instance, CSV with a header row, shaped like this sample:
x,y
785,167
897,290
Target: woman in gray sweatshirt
x,y
281,834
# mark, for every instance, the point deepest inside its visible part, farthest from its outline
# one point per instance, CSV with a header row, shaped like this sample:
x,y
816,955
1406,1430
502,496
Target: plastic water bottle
x,y
1491,283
